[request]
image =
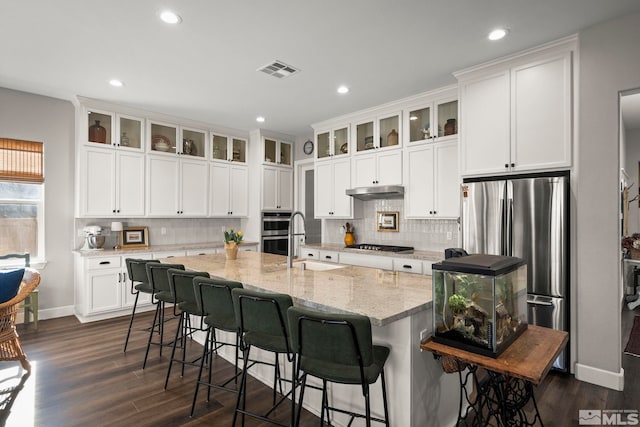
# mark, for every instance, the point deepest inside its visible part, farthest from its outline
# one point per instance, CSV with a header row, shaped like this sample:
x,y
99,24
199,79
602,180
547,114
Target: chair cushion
x,y
10,283
224,323
144,287
346,374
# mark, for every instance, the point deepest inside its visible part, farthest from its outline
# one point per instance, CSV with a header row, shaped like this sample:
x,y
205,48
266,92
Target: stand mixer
x,y
93,238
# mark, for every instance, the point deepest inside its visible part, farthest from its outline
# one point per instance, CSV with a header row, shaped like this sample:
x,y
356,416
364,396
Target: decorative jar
x,y
97,133
231,250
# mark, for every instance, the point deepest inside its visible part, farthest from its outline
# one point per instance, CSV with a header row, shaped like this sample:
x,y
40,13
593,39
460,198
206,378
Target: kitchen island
x,y
399,306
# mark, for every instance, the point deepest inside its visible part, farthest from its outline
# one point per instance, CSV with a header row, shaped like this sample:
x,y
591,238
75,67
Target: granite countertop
x,y
422,255
383,296
156,248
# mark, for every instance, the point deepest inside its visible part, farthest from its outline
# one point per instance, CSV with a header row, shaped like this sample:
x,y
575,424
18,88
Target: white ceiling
x,y
205,68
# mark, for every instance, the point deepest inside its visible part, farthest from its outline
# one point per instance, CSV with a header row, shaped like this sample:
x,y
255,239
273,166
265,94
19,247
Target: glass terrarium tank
x,y
479,302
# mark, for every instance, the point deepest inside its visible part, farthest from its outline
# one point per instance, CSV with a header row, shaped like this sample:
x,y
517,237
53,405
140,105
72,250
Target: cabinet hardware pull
x,y
114,211
406,266
327,256
513,165
105,262
124,277
506,165
119,277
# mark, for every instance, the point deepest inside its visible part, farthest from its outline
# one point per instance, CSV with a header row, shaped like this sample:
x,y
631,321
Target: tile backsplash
x,y
187,230
422,234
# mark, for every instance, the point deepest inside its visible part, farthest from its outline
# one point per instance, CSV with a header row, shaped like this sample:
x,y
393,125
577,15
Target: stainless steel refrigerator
x,y
526,216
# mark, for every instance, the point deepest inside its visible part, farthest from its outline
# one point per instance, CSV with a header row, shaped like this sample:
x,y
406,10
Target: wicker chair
x,y
10,348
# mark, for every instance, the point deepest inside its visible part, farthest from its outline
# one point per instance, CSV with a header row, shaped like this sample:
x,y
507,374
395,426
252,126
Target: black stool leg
x,y
302,386
205,350
173,351
367,405
133,313
384,398
153,328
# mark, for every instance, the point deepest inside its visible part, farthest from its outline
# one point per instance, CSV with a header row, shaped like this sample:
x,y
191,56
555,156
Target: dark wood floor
x,y
82,377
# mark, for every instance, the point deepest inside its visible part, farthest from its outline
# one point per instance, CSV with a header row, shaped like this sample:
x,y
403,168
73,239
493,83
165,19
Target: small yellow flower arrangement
x,y
233,236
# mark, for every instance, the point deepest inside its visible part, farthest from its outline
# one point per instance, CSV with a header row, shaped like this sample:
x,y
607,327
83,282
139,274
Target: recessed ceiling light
x,y
498,33
343,89
170,17
116,83
260,119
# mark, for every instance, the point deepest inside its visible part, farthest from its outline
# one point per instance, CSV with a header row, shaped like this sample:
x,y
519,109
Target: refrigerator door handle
x,y
543,303
509,230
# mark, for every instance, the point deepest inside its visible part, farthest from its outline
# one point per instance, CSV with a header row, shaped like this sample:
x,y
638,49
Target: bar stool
x,y
181,284
139,283
214,299
337,348
159,281
262,321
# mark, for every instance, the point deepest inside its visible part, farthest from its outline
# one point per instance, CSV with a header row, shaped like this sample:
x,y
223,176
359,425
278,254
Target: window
x,y
21,198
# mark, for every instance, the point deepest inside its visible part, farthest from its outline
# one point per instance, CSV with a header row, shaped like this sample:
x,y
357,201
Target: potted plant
x,y
231,241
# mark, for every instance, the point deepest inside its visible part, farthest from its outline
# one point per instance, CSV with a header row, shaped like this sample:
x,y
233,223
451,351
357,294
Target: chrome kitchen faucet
x,y
291,235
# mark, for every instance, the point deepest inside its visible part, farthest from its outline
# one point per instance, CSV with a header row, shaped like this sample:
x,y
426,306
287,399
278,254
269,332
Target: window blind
x,y
21,161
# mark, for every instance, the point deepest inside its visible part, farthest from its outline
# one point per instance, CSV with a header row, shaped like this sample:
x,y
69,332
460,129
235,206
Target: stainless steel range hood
x,y
377,192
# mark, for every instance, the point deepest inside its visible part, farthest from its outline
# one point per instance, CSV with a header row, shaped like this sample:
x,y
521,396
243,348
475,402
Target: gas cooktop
x,y
383,248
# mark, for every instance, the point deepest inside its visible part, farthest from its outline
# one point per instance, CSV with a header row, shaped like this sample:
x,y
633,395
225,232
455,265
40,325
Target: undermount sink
x,y
316,266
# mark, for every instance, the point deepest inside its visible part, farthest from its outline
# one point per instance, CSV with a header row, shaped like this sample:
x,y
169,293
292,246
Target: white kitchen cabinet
x,y
309,253
176,186
517,117
329,256
170,139
276,152
112,184
228,190
366,260
228,149
381,168
332,179
103,288
380,133
432,181
433,121
277,188
333,142
408,265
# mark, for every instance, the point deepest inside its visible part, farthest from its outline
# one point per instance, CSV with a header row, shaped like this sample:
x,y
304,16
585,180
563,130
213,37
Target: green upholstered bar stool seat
x,y
137,271
338,348
214,299
162,295
185,300
262,321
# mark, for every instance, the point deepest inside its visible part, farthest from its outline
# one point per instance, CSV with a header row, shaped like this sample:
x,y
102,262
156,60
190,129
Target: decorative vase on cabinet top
x,y
392,138
97,133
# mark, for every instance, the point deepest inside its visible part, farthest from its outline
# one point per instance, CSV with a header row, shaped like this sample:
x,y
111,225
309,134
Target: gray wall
x,y
609,62
39,118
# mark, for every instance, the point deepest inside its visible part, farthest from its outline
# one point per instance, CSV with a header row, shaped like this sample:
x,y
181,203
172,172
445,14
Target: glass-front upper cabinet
x,y
163,138
130,132
333,142
100,127
384,132
277,152
228,149
194,143
434,121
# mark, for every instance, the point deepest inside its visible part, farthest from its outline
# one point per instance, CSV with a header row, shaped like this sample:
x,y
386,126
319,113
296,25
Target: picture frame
x,y
135,237
387,221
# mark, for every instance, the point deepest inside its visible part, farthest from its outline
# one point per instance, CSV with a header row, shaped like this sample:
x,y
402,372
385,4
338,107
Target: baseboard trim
x,y
52,313
608,379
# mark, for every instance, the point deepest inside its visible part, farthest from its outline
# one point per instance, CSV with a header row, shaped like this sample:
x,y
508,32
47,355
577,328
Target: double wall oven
x,y
275,227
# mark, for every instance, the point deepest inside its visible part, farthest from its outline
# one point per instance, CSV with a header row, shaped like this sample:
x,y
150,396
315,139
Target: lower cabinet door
x,y
104,290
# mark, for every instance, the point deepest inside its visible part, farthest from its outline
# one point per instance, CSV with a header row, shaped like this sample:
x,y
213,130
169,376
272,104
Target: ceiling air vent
x,y
278,69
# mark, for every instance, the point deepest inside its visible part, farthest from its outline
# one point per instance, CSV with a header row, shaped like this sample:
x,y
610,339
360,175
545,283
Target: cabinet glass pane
x,y
322,142
219,147
99,128
163,138
420,124
341,141
285,154
269,151
389,131
239,150
448,118
193,143
364,136
130,133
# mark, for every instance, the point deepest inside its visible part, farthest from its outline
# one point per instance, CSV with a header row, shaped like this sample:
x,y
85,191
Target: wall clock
x,y
308,147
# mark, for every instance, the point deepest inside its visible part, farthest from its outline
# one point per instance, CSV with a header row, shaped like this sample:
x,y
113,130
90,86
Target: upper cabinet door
x,y
485,131
194,143
129,133
541,114
277,152
130,193
388,131
163,138
333,142
100,128
162,186
98,187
